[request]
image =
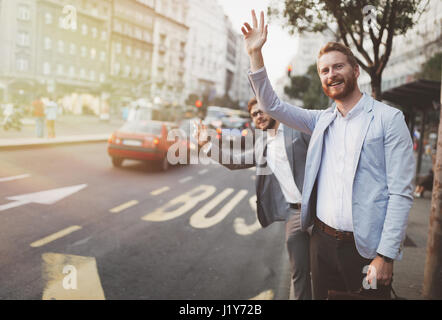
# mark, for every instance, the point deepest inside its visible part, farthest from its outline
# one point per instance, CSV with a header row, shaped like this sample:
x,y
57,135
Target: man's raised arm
x,y
295,117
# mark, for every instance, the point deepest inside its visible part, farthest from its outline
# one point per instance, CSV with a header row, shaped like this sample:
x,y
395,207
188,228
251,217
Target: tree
x,y
357,22
431,70
308,88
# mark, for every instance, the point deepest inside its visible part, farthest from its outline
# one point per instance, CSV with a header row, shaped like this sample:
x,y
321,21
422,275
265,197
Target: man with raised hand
x,y
279,157
358,181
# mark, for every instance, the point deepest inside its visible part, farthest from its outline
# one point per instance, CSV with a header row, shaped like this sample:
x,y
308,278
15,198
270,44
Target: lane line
x,y
203,171
22,176
185,179
54,236
124,206
159,191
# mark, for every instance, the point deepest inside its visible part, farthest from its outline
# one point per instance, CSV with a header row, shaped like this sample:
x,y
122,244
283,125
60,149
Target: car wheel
x,y
117,162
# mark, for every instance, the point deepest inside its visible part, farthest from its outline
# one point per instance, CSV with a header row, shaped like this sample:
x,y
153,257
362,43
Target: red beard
x,y
347,87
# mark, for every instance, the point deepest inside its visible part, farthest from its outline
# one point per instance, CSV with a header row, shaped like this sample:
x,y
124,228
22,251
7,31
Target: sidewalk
x,y
68,129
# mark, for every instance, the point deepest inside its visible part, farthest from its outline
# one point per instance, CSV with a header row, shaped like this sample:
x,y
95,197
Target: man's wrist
x,y
386,259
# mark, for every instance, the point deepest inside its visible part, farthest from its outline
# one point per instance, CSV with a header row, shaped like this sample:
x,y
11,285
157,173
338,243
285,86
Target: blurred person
x,y
279,193
426,182
39,115
357,190
51,110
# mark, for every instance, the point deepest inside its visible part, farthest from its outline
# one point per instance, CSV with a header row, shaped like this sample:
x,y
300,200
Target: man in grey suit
x,y
280,176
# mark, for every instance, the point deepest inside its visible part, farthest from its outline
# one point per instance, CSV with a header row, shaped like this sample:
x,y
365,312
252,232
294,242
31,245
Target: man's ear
x,y
357,70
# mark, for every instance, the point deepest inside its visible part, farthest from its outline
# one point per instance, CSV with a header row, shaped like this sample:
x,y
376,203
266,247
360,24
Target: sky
x,y
280,46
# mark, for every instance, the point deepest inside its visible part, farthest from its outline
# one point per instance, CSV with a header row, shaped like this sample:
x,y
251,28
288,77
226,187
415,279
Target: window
x,y
46,68
72,71
24,13
47,43
92,75
23,39
103,35
103,56
72,49
138,53
147,55
102,77
84,29
59,69
83,51
117,68
93,53
48,18
82,73
22,64
126,70
129,51
94,32
118,47
60,46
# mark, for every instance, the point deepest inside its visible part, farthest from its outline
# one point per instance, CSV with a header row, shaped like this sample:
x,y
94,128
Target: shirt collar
x,y
355,111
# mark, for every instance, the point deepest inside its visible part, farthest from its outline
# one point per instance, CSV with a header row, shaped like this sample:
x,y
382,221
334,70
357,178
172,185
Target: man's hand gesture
x,y
255,37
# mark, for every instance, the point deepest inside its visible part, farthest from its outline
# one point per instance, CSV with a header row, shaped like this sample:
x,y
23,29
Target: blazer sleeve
x,y
400,169
295,117
237,159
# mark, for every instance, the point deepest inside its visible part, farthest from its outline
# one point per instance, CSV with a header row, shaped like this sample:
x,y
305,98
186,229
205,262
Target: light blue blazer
x,y
383,172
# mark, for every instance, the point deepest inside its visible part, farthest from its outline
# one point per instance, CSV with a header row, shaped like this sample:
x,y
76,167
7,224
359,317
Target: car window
x,y
142,127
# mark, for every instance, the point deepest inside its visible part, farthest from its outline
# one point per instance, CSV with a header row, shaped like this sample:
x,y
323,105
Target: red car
x,y
141,140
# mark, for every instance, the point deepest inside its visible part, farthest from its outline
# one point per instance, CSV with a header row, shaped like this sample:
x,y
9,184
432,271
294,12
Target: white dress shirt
x,y
279,164
335,176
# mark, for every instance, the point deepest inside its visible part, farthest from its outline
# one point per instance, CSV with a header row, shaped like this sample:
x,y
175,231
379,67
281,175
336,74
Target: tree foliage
x,y
431,70
356,23
308,88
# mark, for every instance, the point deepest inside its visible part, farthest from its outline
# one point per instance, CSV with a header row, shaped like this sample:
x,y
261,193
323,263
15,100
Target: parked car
x,y
144,140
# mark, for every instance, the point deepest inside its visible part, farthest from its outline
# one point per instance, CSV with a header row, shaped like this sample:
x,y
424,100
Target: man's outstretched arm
x,y
295,117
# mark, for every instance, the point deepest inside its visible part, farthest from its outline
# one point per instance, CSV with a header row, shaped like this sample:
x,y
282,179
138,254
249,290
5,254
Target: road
x,y
132,232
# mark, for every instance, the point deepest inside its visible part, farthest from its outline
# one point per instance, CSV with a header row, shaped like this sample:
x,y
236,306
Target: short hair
x,y
336,46
251,103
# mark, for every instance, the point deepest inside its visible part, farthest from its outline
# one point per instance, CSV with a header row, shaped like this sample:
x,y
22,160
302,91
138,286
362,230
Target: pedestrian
x,y
51,110
39,115
278,193
357,190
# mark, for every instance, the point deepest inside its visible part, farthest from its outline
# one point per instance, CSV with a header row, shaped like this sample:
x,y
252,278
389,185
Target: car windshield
x,y
141,127
140,114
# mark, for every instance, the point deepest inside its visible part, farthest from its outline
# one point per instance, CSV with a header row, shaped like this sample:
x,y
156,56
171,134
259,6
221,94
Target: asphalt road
x,y
132,232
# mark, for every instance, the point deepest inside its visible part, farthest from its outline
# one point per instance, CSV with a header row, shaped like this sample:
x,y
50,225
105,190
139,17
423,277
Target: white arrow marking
x,y
22,176
43,197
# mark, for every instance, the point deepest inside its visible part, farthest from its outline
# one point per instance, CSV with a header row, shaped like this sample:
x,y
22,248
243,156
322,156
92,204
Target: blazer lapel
x,y
288,141
368,114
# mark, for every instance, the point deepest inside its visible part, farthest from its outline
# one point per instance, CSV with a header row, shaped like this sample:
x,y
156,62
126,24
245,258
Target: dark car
x,y
144,140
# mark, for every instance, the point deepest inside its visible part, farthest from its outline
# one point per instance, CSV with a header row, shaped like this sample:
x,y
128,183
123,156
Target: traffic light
x,y
198,103
289,70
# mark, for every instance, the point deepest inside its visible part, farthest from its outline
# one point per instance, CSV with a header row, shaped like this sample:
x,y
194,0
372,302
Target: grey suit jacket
x,y
270,201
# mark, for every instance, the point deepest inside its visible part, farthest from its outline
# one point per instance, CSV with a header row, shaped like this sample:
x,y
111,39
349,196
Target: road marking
x,y
199,220
22,176
43,197
185,179
265,295
55,236
124,206
181,204
252,168
240,226
159,191
70,277
203,171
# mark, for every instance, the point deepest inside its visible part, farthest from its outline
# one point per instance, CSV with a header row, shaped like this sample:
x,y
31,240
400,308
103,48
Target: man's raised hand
x,y
255,37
